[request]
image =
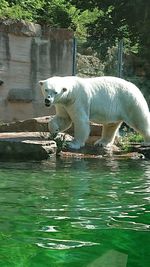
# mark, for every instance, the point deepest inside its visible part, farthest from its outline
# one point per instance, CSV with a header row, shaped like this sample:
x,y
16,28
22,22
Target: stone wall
x,y
29,53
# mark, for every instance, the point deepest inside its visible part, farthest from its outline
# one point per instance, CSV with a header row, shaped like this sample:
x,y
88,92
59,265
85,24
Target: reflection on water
x,y
78,212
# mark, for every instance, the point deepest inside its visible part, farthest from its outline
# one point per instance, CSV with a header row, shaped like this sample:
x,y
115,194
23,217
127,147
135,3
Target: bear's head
x,y
54,91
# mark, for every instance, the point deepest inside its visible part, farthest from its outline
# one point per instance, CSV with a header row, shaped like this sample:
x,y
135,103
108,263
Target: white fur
x,y
104,100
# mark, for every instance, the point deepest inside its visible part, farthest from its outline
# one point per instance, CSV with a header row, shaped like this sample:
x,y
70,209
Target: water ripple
x,y
130,225
49,229
58,244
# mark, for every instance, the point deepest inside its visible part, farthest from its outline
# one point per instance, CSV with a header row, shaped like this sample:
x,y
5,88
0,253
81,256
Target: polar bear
x,y
105,100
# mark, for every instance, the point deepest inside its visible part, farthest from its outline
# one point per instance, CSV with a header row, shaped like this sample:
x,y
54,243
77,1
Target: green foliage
x,y
27,10
81,20
98,23
119,19
56,13
128,138
3,7
4,4
135,138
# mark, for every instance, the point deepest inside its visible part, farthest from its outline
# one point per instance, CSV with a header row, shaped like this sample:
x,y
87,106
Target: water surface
x,y
75,212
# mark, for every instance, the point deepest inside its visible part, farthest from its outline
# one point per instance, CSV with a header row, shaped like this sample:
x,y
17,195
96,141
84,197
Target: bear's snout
x,y
47,102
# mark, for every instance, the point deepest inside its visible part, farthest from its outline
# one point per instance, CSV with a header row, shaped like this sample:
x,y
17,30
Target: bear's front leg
x,y
58,124
81,133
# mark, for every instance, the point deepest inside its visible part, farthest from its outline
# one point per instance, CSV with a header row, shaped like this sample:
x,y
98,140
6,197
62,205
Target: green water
x,y
75,213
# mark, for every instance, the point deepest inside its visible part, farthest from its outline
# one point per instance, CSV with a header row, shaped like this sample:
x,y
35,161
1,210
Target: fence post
x,y
74,48
120,61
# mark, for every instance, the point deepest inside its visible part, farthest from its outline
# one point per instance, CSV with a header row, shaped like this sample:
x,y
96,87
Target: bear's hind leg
x,y
109,132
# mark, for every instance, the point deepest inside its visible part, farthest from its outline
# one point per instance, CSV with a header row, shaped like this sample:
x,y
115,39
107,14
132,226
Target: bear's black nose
x,y
47,102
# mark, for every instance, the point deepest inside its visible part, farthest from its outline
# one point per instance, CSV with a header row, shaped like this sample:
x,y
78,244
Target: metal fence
x,y
87,62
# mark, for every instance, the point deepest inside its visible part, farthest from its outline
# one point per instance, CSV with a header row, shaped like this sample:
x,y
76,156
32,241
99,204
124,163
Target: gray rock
x,y
14,150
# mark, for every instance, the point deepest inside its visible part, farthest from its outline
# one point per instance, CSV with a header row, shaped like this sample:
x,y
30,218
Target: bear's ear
x,y
64,89
41,83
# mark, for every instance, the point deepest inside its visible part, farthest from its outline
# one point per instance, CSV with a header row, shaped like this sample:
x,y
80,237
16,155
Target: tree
x,y
102,21
129,19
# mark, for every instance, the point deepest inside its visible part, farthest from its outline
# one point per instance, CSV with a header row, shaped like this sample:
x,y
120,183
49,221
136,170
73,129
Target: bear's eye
x,y
55,93
46,90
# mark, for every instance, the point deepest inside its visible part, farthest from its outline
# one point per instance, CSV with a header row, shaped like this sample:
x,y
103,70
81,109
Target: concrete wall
x,y
29,53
